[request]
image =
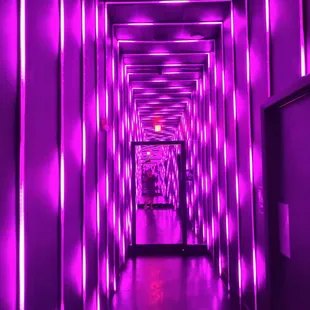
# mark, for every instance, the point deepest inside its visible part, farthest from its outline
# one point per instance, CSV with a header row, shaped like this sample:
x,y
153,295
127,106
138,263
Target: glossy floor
x,y
171,283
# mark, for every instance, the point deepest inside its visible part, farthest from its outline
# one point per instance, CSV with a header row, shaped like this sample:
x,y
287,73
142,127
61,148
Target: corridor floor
x,y
160,227
171,283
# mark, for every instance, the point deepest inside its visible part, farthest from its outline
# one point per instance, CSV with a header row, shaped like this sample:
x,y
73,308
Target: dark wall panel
x,y
295,192
9,122
41,156
307,33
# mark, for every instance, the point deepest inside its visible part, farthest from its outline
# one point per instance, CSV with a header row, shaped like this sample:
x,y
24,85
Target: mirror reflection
x,y
158,218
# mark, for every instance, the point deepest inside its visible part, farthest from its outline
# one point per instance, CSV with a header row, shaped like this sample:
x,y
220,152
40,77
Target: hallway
x,y
202,104
171,283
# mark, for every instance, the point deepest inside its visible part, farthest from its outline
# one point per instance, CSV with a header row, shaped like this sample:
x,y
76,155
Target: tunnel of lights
x,y
85,78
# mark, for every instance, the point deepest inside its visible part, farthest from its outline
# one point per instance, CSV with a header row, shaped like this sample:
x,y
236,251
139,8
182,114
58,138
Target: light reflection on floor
x,y
165,283
160,227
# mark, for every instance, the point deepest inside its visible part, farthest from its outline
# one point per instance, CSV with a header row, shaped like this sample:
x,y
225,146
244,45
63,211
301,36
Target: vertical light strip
x,y
210,155
225,156
98,156
21,259
83,157
106,159
62,142
114,122
236,153
206,222
268,37
253,226
218,166
302,39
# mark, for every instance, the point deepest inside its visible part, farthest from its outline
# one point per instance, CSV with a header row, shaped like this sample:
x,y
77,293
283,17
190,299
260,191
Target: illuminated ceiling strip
x,y
166,2
148,24
165,54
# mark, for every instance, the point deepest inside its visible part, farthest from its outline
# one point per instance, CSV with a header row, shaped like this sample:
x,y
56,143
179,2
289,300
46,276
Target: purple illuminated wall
x,y
9,154
65,183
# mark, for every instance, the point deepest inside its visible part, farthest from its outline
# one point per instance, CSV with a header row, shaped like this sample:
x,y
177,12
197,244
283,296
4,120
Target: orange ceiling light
x,y
157,128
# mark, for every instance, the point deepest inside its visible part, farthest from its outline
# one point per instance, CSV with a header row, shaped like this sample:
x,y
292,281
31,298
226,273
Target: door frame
x,y
271,146
182,194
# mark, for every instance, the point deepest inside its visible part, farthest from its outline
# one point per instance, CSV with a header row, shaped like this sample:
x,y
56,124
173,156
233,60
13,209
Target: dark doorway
x,y
287,201
153,247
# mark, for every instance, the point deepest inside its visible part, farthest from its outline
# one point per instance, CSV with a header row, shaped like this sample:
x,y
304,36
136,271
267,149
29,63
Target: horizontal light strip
x,y
164,42
168,81
213,23
171,72
165,65
166,1
161,94
166,54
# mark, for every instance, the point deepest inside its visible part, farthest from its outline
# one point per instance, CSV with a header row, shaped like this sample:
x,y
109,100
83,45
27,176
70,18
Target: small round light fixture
x,y
148,153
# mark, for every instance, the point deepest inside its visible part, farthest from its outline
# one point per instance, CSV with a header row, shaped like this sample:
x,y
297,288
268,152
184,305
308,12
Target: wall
x,y
72,80
9,106
197,146
295,174
60,209
274,63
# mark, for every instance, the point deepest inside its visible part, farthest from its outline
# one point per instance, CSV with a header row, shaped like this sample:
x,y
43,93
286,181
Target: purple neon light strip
x,y
62,168
251,160
210,156
163,65
225,159
98,156
268,39
248,69
163,1
206,224
236,152
165,54
218,167
107,168
167,72
22,156
166,24
163,42
83,156
302,39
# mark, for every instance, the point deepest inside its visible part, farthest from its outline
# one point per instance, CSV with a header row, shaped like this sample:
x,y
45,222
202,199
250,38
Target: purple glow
x,y
225,159
267,18
236,154
107,271
83,158
302,39
167,24
98,156
152,42
166,54
251,164
62,163
22,156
